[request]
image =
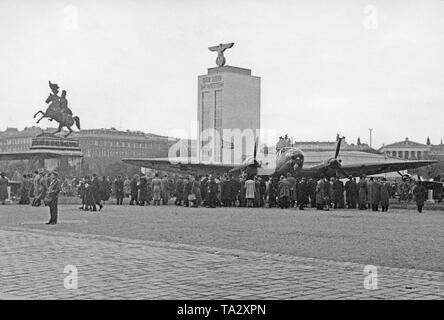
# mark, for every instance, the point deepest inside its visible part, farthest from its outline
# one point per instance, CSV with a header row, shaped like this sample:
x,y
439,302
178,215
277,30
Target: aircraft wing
x,y
180,165
384,166
369,167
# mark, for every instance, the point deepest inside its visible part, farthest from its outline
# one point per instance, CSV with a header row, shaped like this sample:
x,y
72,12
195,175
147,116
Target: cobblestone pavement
x,y
32,264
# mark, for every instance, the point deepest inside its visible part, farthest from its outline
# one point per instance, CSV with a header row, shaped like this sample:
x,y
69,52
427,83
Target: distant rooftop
x,y
34,130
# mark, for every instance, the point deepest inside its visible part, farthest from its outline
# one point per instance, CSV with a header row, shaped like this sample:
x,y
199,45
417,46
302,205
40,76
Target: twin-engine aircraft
x,y
290,160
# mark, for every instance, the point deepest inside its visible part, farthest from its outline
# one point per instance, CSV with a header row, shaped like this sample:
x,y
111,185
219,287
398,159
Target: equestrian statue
x,y
58,110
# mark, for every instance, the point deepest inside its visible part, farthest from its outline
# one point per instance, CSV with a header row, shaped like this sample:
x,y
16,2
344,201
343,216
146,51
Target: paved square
x,y
33,258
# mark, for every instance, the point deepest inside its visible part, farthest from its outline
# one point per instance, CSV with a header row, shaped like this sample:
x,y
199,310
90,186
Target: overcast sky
x,y
326,66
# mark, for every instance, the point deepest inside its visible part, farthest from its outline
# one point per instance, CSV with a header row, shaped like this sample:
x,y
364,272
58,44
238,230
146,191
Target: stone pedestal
x,y
66,151
8,201
430,196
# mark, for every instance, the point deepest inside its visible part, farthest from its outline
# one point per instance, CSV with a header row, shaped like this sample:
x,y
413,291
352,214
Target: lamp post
x,y
370,136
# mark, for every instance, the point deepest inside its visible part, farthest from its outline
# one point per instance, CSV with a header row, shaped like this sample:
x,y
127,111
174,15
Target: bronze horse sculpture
x,y
58,110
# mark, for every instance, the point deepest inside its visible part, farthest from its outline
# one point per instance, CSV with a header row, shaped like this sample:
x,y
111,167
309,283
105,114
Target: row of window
x,y
122,144
408,154
116,154
18,141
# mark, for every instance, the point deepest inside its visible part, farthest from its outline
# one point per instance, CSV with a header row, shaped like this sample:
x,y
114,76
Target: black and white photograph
x,y
221,154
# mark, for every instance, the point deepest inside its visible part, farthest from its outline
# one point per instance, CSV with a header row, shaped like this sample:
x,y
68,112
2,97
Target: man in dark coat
x,y
211,192
376,195
234,187
118,187
320,194
257,192
90,203
420,195
95,184
302,194
134,190
338,190
385,194
187,186
143,191
225,191
179,192
4,182
203,190
262,191
104,189
81,192
293,196
311,186
165,191
25,190
241,196
52,197
362,187
350,191
272,192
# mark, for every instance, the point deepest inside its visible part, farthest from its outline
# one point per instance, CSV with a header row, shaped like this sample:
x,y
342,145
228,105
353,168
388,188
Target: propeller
x,y
335,163
256,142
255,149
338,147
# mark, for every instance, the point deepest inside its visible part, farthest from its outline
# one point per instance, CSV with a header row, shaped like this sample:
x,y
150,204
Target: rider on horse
x,y
58,110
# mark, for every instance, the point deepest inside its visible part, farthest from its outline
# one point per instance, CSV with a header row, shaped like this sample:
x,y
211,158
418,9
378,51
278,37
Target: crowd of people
x,y
242,191
225,191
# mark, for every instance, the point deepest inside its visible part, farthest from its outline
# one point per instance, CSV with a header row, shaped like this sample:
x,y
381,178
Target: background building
x,y
101,147
321,145
407,149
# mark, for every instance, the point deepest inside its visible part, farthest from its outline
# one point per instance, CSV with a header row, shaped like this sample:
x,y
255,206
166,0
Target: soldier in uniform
x,y
66,112
52,197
